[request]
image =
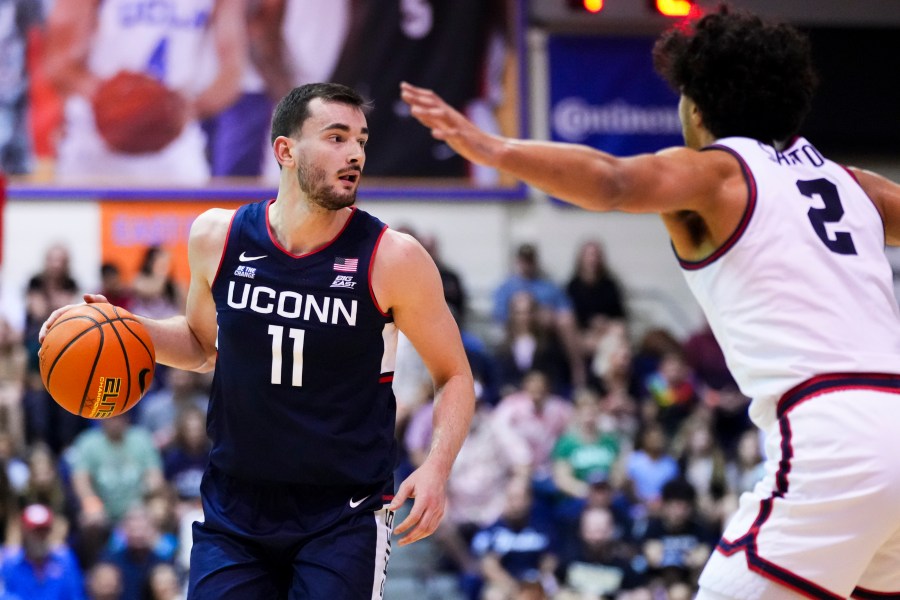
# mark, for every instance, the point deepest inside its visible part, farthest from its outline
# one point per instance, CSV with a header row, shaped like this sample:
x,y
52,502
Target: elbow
x,y
208,365
208,362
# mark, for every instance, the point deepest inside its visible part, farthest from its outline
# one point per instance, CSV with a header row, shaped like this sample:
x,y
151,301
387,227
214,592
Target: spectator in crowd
x,y
747,468
653,345
136,549
582,453
554,309
602,568
104,582
703,464
186,458
40,569
163,583
593,290
88,42
14,467
517,548
611,361
113,465
584,450
13,368
705,357
730,416
7,506
156,293
53,286
677,543
20,17
476,493
46,486
531,420
671,392
159,410
113,286
530,344
650,466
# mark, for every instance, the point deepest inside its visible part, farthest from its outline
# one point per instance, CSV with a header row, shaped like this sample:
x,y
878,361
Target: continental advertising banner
x,y
605,93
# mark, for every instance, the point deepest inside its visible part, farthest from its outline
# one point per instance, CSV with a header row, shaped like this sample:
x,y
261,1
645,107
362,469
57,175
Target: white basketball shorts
x,y
825,520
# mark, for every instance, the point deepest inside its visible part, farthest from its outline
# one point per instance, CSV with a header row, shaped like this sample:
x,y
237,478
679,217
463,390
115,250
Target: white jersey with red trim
x,y
162,38
802,287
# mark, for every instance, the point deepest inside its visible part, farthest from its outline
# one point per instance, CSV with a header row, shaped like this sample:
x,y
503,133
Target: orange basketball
x,y
136,114
97,360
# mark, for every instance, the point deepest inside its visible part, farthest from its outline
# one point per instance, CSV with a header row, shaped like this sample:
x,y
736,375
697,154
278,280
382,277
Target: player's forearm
x,y
577,174
177,346
453,408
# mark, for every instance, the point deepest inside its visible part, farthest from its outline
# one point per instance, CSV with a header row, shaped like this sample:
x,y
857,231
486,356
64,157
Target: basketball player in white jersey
x,y
91,40
784,250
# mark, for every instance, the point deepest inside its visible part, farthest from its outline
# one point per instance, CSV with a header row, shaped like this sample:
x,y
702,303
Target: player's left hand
x,y
428,487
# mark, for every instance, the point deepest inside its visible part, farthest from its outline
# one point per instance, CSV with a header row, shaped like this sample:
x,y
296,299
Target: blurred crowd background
x,y
606,452
599,465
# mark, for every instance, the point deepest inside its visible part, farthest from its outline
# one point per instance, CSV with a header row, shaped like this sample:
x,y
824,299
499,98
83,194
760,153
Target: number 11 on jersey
x,y
277,333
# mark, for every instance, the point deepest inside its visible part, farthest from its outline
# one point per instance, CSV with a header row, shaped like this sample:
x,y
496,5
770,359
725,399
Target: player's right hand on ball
x,y
88,299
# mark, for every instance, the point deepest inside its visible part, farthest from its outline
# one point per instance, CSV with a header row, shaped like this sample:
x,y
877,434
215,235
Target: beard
x,y
312,182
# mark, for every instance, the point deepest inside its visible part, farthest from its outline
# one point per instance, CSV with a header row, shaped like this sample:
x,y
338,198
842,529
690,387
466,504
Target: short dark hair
x,y
293,110
747,77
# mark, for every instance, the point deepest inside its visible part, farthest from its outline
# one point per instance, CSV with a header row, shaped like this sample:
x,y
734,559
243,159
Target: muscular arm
x,y
186,341
886,196
70,29
677,179
406,280
229,35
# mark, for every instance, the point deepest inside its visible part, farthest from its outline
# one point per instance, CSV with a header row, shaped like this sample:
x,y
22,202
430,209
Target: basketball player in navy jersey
x,y
784,250
297,302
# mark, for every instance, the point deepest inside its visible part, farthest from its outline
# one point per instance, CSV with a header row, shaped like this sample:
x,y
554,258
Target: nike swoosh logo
x,y
355,503
244,258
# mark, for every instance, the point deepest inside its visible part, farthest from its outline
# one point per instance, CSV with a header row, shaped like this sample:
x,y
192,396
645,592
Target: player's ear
x,y
283,147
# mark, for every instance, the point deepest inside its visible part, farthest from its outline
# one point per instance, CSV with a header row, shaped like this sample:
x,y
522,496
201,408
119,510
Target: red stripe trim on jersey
x,y
747,542
865,594
372,270
224,248
388,378
690,265
387,497
849,172
877,209
315,251
832,382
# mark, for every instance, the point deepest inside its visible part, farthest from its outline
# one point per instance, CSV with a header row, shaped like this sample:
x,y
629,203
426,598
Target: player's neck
x,y
301,228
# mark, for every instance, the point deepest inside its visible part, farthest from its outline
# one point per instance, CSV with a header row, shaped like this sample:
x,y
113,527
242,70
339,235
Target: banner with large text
x,y
605,93
129,228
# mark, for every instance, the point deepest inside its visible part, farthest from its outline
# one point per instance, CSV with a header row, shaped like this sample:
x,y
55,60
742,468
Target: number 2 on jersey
x,y
277,333
842,242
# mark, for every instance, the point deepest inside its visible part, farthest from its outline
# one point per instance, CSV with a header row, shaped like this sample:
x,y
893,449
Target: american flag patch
x,y
346,265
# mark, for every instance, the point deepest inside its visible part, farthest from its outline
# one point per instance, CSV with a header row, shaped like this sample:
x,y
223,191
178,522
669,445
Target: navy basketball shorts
x,y
292,542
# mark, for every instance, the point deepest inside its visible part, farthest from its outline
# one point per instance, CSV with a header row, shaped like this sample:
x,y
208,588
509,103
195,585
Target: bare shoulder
x,y
211,224
207,238
874,184
402,268
400,255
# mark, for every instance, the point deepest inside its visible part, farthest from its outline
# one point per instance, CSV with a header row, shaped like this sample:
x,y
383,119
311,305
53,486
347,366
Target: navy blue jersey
x,y
302,388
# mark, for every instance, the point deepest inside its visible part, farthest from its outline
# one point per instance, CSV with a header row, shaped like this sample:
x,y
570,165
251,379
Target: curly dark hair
x,y
747,77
